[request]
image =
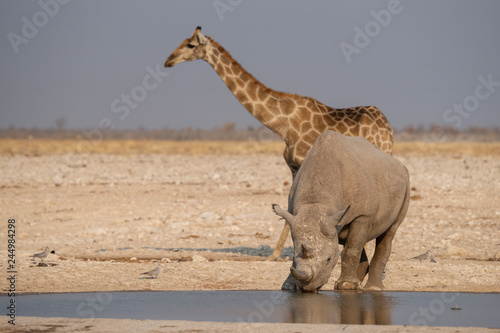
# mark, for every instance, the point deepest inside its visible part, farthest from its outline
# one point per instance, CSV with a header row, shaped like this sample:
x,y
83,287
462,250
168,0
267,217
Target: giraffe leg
x,y
281,243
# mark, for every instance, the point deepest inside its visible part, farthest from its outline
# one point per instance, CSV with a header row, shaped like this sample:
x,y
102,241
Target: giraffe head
x,y
190,49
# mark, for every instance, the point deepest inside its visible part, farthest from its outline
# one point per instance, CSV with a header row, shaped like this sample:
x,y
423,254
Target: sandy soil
x,y
33,324
208,218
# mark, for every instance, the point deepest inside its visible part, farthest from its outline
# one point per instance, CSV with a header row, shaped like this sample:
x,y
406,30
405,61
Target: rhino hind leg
x,y
380,258
383,249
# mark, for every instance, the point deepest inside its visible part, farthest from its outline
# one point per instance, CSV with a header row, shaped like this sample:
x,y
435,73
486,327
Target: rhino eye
x,y
328,260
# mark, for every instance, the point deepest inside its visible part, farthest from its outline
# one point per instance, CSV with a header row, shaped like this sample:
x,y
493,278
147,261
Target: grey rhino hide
x,y
316,246
340,172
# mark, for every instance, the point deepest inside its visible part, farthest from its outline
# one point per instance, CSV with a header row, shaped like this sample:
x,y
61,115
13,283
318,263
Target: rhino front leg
x,y
348,279
363,266
351,256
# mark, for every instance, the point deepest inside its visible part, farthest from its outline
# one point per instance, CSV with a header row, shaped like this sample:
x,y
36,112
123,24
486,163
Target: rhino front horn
x,y
303,273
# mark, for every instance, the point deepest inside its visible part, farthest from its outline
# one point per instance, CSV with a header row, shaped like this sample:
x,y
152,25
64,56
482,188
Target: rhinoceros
x,y
346,192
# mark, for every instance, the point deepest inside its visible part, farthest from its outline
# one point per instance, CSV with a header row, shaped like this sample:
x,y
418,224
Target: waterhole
x,y
353,307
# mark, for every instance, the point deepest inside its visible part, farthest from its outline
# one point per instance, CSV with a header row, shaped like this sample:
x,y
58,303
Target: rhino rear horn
x,y
307,252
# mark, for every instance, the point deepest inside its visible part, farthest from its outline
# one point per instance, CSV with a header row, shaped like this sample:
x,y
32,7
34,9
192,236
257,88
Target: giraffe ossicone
x,y
298,120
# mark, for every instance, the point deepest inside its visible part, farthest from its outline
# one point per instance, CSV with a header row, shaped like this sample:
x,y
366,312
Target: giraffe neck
x,y
269,107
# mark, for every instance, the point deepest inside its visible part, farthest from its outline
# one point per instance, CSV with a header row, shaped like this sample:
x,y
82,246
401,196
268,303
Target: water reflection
x,y
346,307
355,307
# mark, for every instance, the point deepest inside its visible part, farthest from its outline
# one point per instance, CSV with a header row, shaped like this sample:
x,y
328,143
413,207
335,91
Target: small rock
x,y
198,258
457,251
210,216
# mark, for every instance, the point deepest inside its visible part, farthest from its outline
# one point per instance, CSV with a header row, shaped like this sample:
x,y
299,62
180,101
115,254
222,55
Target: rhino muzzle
x,y
303,273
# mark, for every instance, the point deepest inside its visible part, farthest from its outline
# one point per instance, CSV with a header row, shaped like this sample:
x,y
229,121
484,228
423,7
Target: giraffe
x,y
298,120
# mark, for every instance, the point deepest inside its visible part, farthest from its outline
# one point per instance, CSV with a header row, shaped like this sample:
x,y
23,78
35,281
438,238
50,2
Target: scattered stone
x,y
198,258
106,215
456,251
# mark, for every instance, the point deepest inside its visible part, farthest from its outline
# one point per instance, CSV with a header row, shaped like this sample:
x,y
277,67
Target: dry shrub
x,y
447,148
52,146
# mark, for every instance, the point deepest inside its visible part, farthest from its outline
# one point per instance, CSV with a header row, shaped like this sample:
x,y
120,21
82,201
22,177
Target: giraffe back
x,y
312,118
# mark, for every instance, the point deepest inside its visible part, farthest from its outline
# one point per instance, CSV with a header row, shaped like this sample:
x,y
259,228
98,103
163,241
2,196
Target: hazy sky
x,y
420,62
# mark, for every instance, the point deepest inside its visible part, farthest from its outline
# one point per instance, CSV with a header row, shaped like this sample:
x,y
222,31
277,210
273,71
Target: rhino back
x,y
340,171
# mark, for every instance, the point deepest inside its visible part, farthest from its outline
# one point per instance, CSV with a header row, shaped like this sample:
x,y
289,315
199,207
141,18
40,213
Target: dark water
x,y
384,308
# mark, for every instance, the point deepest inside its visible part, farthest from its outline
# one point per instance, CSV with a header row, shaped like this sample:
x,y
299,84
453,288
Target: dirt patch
x,y
208,219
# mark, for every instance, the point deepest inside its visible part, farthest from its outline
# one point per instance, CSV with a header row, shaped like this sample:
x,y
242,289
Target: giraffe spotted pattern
x,y
298,120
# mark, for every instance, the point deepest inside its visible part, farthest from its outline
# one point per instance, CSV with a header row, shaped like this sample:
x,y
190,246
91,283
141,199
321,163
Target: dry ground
x,y
34,324
113,209
203,209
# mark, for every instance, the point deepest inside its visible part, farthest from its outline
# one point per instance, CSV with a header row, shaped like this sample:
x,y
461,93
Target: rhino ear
x,y
342,220
289,218
332,224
